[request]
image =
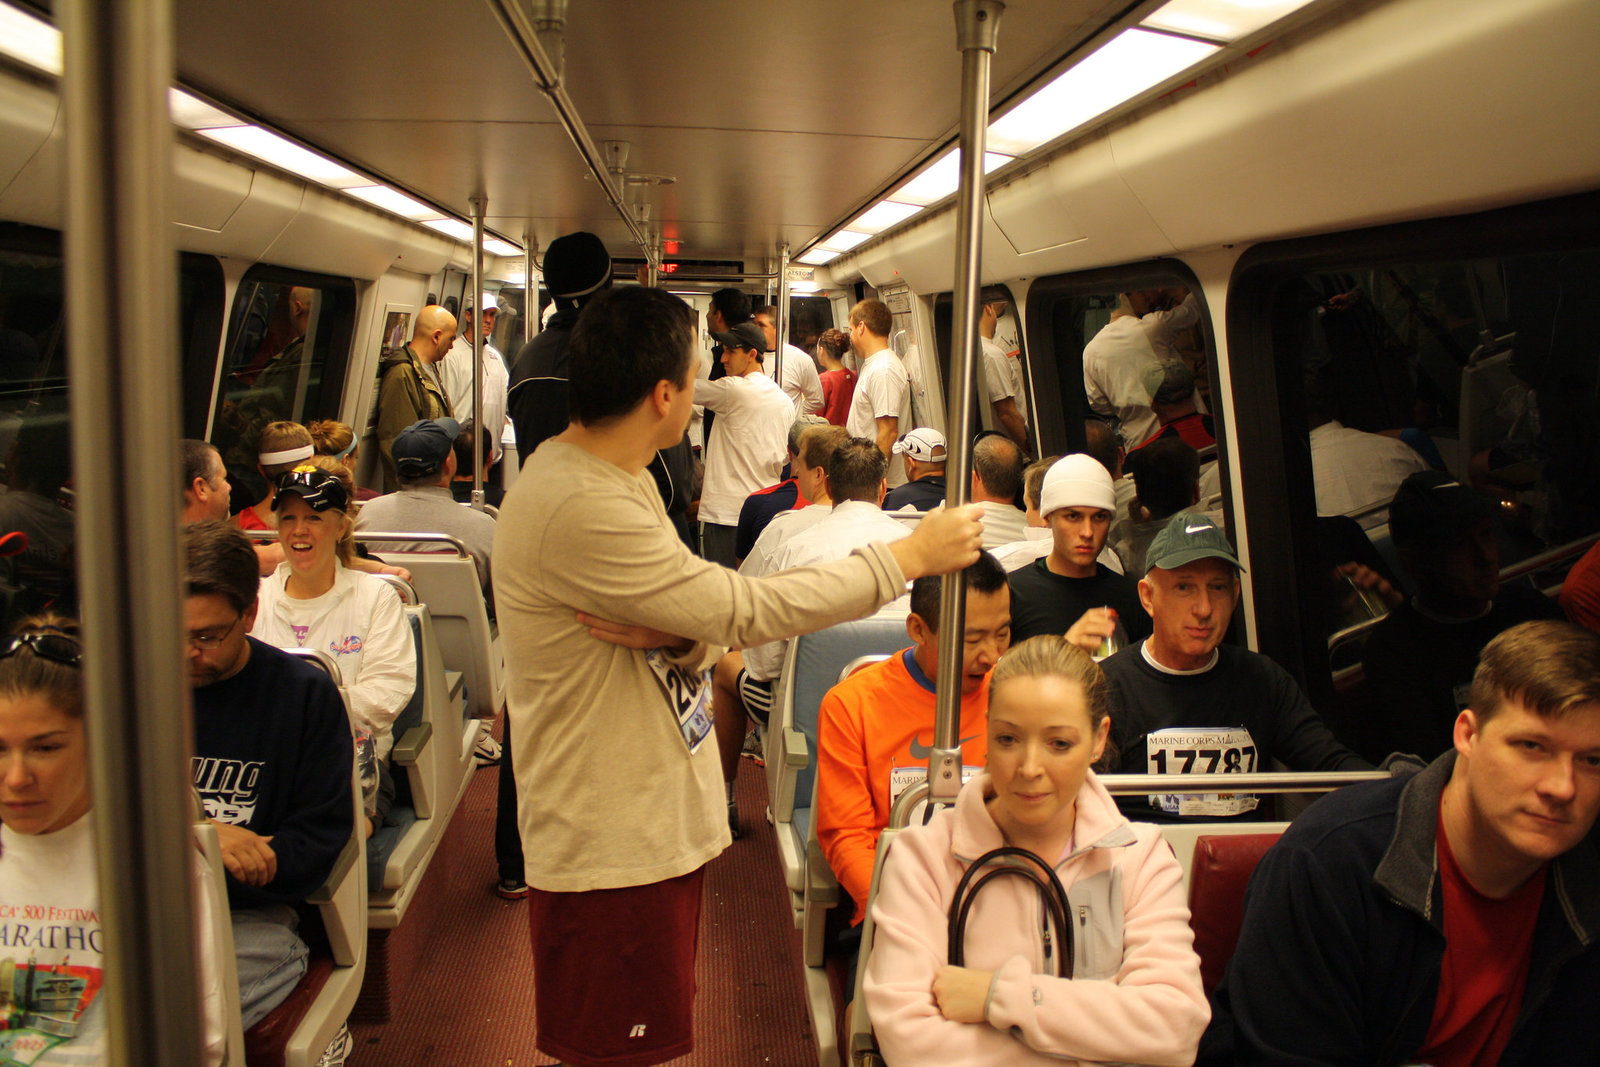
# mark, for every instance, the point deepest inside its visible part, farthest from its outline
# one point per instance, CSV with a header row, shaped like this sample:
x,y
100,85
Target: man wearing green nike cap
x,y
1185,703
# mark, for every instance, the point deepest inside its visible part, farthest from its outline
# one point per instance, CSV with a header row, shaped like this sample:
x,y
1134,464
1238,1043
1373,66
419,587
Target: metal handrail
x,y
320,659
368,537
1122,785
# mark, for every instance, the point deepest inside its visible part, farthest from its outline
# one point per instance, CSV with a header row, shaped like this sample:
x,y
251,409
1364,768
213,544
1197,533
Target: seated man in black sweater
x,y
1069,592
273,763
1185,703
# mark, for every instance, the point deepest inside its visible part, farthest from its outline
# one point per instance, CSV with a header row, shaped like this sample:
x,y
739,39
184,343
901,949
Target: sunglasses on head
x,y
58,648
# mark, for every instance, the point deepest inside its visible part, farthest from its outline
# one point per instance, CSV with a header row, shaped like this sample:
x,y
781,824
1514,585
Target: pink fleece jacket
x,y
1135,995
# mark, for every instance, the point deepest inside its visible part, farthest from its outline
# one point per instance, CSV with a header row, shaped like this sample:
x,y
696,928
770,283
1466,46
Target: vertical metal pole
x,y
977,22
530,291
478,319
120,270
780,321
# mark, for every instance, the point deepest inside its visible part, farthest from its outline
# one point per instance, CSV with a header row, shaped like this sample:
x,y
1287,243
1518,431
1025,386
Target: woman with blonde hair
x,y
337,440
1089,957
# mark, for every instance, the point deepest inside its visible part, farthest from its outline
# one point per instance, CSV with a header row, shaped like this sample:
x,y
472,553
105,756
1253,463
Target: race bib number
x,y
1204,750
903,778
688,695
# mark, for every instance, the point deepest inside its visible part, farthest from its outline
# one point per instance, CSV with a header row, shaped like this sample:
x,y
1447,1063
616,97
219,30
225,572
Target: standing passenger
x,y
1002,372
409,386
621,793
924,454
881,408
456,372
747,445
838,381
1121,372
801,382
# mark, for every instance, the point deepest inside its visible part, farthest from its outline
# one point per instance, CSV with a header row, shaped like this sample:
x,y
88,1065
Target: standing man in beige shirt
x,y
621,800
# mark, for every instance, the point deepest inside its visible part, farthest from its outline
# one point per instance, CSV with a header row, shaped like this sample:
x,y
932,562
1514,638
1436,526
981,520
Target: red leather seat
x,y
1217,879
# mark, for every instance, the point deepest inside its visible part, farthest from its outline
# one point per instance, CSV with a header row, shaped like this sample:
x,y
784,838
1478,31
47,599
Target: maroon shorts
x,y
613,972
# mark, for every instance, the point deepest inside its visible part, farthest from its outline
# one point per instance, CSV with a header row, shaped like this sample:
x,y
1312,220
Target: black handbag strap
x,y
1051,894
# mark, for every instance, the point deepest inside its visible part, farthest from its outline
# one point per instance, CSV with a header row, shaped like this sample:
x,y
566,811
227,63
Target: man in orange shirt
x,y
875,728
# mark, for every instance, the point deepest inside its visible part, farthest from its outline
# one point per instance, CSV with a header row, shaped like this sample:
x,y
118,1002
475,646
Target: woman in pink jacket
x,y
1135,993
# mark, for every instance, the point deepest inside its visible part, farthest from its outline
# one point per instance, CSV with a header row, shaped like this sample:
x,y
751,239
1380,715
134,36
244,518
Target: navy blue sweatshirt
x,y
273,754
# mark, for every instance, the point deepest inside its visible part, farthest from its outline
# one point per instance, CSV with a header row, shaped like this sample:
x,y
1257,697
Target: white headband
x,y
288,455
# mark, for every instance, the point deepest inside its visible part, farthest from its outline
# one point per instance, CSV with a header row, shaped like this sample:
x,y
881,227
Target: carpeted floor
x,y
472,1001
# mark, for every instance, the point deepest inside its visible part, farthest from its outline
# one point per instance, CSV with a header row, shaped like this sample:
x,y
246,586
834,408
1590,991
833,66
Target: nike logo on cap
x,y
922,751
1197,529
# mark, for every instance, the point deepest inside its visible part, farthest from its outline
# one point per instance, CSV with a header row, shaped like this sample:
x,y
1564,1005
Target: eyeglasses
x,y
57,648
208,641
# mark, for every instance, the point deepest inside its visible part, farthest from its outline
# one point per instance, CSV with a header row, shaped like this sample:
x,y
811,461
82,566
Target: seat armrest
x,y
323,894
794,750
411,744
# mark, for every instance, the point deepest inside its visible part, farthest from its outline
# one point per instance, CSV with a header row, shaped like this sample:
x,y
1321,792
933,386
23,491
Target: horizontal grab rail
x,y
1121,785
370,536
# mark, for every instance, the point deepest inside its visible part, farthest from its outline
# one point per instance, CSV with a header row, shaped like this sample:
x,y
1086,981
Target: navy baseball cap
x,y
744,335
420,449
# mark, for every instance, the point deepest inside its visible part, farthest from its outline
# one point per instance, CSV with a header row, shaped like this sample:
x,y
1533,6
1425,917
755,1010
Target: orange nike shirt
x,y
874,735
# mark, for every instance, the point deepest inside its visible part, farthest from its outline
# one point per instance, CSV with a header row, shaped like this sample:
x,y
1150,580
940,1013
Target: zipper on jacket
x,y
1044,928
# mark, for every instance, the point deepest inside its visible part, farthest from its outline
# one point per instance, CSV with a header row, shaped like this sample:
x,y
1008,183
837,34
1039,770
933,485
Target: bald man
x,y
280,380
409,386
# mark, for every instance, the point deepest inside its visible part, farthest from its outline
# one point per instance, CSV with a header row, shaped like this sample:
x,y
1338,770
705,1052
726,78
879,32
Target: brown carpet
x,y
470,1000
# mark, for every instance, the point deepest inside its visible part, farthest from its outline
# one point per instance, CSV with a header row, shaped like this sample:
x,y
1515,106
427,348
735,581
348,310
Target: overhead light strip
x,y
30,40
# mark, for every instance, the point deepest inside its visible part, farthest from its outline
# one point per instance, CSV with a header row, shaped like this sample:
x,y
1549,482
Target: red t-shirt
x,y
838,388
1488,945
249,520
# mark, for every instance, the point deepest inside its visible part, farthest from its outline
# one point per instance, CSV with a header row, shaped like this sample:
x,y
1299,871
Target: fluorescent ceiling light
x,y
818,256
942,178
394,202
193,113
500,248
285,155
451,228
1220,20
844,240
804,287
1114,73
882,215
30,40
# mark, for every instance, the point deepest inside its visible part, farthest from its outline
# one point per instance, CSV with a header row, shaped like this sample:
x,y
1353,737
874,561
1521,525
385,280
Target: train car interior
x,y
1384,215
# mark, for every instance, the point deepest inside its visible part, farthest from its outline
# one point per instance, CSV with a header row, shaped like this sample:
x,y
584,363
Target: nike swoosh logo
x,y
1197,529
922,751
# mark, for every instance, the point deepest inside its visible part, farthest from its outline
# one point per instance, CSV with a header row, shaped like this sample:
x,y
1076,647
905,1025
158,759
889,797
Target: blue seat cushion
x,y
384,840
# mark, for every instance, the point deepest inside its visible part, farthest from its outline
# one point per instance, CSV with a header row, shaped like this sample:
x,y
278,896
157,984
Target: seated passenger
x,y
1035,542
461,484
923,453
51,939
1070,592
205,482
1134,991
283,446
1183,702
764,505
1354,471
875,728
272,764
332,438
1166,475
1175,409
424,455
1447,916
38,466
1101,442
997,465
1420,658
817,445
314,600
744,680
1580,593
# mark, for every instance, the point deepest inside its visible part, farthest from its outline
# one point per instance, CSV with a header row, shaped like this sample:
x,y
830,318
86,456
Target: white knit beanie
x,y
1076,481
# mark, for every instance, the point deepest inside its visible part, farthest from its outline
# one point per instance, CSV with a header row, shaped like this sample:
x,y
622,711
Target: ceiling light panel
x,y
943,177
30,40
883,215
1220,20
495,246
1119,70
818,256
843,241
285,155
193,113
394,202
461,231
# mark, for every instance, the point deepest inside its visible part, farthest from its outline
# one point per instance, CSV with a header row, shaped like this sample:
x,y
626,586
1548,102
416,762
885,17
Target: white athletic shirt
x,y
883,390
749,441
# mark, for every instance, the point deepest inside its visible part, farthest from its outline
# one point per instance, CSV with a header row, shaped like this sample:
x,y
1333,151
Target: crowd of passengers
x,y
1445,914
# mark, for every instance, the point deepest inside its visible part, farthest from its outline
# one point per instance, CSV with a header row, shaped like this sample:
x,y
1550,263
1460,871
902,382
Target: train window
x,y
808,317
288,343
35,443
1001,389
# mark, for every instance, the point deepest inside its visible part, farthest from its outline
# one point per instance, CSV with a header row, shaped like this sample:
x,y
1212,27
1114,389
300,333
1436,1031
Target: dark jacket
x,y
536,397
1338,961
406,394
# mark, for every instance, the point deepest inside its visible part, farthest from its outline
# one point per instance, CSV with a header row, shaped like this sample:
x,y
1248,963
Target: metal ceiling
x,y
776,118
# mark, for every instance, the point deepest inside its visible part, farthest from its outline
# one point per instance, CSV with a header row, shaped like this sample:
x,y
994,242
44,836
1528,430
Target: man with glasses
x,y
273,763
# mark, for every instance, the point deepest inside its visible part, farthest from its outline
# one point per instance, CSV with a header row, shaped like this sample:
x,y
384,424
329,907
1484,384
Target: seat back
x,y
1218,874
218,931
448,584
